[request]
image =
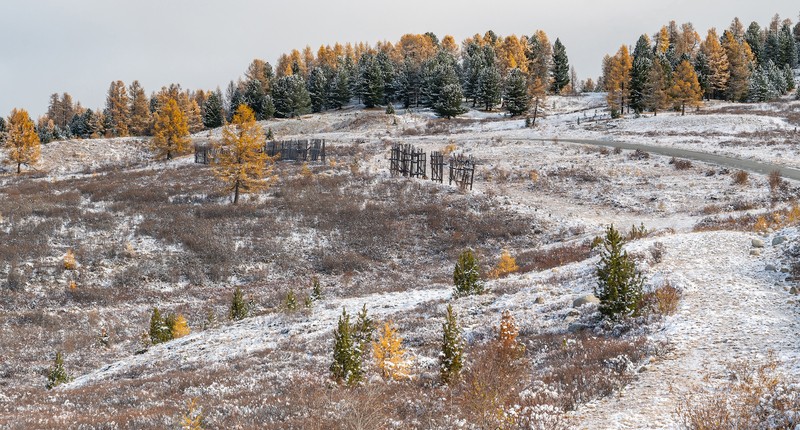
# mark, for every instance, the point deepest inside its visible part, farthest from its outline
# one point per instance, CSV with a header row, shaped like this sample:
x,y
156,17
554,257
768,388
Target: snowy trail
x,y
731,310
215,346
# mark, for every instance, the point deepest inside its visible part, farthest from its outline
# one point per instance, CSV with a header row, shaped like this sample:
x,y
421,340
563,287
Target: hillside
x,y
151,233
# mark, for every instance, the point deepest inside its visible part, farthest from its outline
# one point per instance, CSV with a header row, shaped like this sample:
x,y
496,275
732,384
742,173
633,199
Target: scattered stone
x,y
777,240
757,243
771,268
539,300
573,313
583,300
784,270
576,327
794,291
755,252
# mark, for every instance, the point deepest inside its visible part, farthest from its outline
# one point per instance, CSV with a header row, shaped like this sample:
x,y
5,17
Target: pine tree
x,y
346,366
619,284
452,354
21,140
787,47
389,353
466,274
179,327
139,109
58,374
449,101
489,87
642,63
261,71
160,328
170,131
371,83
213,110
560,71
290,97
239,308
754,38
516,93
340,94
117,109
254,96
318,89
241,163
363,329
316,289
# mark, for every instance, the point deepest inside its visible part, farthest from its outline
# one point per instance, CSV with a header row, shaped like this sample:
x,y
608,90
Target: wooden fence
x,y
408,161
287,150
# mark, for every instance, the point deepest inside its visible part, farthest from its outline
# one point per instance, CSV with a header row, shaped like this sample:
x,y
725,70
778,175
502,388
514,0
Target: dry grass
x,y
543,259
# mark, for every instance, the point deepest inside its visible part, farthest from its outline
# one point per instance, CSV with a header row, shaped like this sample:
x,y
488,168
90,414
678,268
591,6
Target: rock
x,y
757,243
770,268
777,240
583,300
755,252
573,313
576,327
539,300
784,270
794,291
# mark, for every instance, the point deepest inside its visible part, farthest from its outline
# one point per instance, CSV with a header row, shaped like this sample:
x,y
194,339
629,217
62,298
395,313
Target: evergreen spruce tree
x,y
787,48
58,374
239,309
489,87
318,89
316,289
516,93
560,71
451,357
340,94
160,328
371,83
619,284
388,76
139,109
291,301
257,100
754,37
117,108
449,101
346,366
466,275
656,94
363,329
291,97
213,110
642,62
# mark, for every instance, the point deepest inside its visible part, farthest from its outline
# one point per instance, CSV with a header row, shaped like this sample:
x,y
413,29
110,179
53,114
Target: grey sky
x,y
80,46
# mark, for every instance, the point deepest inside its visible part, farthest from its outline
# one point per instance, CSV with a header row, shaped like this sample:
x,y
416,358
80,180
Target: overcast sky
x,y
80,46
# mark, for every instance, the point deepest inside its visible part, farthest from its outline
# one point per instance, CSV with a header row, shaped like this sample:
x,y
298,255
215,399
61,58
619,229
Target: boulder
x,y
770,268
539,300
777,240
757,243
755,252
794,291
583,300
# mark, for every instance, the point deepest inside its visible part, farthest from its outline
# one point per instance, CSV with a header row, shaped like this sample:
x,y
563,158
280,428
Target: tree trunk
x,y
535,112
236,193
19,167
683,108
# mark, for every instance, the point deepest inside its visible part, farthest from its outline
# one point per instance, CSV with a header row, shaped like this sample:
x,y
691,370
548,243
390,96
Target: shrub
x,y
316,289
466,275
452,354
69,261
680,164
619,284
160,329
291,301
775,180
741,177
58,374
239,309
193,418
637,232
507,335
179,327
346,365
639,155
663,300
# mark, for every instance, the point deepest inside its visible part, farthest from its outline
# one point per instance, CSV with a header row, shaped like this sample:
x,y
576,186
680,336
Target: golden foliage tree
x,y
180,327
537,90
740,58
618,79
193,418
507,334
506,265
139,109
662,40
657,87
389,353
241,163
718,65
22,142
170,131
117,109
685,88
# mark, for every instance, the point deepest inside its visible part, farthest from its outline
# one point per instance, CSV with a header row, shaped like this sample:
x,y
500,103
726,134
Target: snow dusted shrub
x,y
756,396
662,300
69,261
466,275
741,177
619,284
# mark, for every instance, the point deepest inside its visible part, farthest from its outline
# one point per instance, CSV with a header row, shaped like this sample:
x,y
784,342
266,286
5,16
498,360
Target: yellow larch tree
x,y
537,90
740,58
118,110
507,333
662,40
22,143
180,327
718,65
389,354
241,163
170,131
505,265
685,87
619,79
139,110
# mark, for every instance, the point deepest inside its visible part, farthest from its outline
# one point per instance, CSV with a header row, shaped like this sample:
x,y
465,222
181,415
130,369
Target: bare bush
x,y
543,259
639,155
680,164
741,177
